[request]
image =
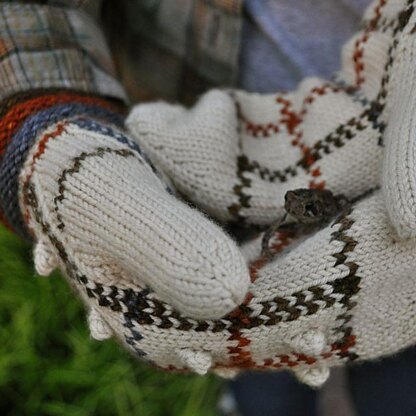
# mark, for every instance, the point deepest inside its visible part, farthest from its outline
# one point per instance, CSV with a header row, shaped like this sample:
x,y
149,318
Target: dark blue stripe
x,y
22,141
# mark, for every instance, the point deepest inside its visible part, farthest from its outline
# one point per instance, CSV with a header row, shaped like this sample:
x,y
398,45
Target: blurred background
x,y
49,366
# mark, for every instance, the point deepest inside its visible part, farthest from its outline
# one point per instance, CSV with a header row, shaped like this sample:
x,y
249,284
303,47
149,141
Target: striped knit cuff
x,y
22,119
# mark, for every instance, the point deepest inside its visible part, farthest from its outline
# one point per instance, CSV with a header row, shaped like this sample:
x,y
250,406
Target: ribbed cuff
x,y
22,121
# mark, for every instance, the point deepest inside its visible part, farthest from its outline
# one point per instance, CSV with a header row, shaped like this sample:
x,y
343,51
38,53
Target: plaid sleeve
x,y
54,46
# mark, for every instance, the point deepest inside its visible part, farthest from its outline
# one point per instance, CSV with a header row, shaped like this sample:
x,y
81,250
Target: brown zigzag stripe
x,y
147,310
402,21
346,288
350,287
362,40
241,356
265,130
31,200
336,139
383,25
112,293
238,189
77,163
364,195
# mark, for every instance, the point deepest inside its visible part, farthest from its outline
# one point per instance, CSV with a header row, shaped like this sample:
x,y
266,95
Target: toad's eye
x,y
312,209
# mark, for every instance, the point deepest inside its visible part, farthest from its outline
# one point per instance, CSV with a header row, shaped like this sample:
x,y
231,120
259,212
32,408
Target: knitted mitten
x,y
344,294
95,206
236,154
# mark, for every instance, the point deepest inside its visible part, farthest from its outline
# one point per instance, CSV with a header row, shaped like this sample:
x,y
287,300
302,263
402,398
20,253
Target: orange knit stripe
x,y
18,113
41,147
14,118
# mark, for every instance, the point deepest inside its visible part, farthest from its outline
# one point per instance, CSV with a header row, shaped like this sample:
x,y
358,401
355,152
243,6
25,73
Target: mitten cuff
x,y
22,118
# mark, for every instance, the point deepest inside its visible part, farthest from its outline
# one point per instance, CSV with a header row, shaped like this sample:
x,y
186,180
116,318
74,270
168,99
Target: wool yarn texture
x,y
118,224
106,211
236,154
347,292
168,282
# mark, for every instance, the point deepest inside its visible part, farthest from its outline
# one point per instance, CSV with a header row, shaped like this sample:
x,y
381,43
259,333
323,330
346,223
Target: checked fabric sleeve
x,y
51,54
54,46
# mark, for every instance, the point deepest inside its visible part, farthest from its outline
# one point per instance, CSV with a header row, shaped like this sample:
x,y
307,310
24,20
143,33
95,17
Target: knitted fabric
x,y
94,204
236,154
346,293
343,294
162,278
15,109
19,124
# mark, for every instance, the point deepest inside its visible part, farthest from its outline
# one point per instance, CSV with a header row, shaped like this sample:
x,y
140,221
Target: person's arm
x,y
50,54
106,214
52,46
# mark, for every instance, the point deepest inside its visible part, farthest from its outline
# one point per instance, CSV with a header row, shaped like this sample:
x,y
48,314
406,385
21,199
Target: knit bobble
x,y
98,327
44,258
313,376
198,361
228,373
310,342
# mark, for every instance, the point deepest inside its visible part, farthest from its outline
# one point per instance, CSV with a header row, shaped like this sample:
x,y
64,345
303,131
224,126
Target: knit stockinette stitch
x,y
343,294
96,206
346,293
236,154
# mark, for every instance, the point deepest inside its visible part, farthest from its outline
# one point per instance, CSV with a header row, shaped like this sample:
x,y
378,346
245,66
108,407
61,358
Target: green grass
x,y
50,366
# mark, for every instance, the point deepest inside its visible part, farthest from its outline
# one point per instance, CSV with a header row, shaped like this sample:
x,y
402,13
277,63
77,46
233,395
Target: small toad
x,y
311,209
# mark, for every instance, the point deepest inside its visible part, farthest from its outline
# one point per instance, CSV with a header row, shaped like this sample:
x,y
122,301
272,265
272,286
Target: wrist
x,y
22,119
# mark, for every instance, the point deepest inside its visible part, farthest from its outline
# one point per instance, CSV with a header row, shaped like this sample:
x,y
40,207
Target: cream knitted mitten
x,y
236,154
347,292
344,294
97,208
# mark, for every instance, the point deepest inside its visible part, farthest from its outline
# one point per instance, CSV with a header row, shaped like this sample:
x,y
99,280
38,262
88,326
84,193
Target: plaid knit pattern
x,y
261,146
346,292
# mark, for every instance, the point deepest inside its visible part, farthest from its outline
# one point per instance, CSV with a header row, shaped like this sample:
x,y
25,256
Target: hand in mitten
x,y
312,306
95,206
236,154
344,294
